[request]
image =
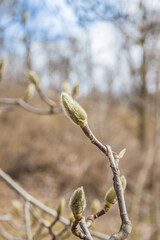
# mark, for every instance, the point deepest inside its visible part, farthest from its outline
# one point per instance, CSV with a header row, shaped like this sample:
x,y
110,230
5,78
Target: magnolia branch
x,y
126,227
27,197
21,103
77,202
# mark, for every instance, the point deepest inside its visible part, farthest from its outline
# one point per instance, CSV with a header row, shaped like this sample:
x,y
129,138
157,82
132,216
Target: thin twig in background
x,y
27,197
44,97
27,220
11,222
6,235
21,103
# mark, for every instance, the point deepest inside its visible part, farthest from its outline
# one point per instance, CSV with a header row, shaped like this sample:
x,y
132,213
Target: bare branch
x,y
126,227
6,235
84,227
20,102
11,222
27,220
27,197
44,97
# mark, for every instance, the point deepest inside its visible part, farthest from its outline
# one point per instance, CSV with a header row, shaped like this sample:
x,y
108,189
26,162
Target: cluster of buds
x,y
33,77
67,89
78,202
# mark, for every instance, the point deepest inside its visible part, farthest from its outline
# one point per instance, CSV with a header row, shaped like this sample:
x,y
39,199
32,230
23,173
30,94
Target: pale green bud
x,y
30,91
73,110
17,206
61,206
75,90
78,202
26,16
122,152
66,87
111,197
1,67
95,206
71,217
33,77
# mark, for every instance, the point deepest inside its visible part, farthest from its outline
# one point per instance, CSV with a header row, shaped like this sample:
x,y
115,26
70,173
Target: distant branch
x,y
27,220
6,235
27,197
20,102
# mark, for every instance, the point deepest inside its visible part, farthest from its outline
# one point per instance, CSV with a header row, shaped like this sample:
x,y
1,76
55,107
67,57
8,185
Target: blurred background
x,y
112,49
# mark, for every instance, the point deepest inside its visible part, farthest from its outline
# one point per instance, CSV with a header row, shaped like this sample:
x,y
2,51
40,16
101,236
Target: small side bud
x,y
111,197
26,16
73,110
95,206
17,206
30,91
66,87
78,203
61,207
122,152
33,77
71,217
1,68
75,90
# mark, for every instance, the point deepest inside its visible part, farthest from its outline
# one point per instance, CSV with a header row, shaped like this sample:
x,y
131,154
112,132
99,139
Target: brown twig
x,y
38,232
126,225
50,227
65,229
77,231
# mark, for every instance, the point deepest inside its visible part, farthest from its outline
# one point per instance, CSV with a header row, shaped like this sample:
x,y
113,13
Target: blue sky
x,y
55,21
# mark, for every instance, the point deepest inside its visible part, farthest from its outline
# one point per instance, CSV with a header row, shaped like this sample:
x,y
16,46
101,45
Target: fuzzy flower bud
x,y
1,67
33,78
122,152
95,206
61,207
66,87
17,206
75,90
111,197
73,110
78,202
26,16
30,91
71,217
